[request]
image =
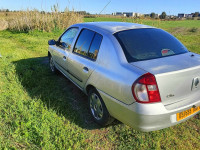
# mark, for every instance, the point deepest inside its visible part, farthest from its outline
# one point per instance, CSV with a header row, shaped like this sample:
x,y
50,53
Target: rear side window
x,y
94,49
88,44
145,44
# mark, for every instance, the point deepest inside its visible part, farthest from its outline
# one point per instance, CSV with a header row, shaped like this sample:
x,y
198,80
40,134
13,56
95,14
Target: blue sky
x,y
95,6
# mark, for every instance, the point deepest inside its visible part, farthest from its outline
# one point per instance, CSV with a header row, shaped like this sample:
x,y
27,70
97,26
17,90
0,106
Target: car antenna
x,y
103,8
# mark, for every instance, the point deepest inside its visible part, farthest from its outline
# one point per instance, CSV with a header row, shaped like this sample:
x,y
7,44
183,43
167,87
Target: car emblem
x,y
195,83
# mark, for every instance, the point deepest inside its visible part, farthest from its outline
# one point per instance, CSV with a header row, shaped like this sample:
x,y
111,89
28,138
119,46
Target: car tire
x,y
98,109
52,65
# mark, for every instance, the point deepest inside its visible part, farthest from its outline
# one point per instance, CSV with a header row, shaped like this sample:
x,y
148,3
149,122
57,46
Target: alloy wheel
x,y
96,106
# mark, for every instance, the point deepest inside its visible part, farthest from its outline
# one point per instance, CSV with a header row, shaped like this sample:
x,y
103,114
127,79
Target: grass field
x,y
40,110
158,23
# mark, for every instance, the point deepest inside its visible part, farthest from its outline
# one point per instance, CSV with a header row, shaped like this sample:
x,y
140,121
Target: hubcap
x,y
96,106
52,66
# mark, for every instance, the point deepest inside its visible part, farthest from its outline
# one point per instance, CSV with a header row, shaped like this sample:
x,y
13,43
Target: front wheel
x,y
98,109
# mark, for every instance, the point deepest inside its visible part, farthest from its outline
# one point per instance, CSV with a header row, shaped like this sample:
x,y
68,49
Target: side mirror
x,y
52,42
64,45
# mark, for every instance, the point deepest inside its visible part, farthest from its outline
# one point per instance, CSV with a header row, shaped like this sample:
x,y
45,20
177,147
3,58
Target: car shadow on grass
x,y
55,91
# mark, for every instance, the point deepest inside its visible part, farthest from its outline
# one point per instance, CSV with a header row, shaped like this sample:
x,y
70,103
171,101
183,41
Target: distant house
x,y
157,15
117,14
188,15
171,16
181,15
138,14
127,14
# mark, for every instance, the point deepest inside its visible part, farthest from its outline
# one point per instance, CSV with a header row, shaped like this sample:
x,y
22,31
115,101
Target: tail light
x,y
145,89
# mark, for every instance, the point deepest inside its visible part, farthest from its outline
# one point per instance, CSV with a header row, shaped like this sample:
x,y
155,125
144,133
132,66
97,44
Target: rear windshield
x,y
150,43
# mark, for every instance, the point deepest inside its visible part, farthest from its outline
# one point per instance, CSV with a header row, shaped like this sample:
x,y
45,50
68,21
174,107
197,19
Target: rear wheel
x,y
52,65
98,109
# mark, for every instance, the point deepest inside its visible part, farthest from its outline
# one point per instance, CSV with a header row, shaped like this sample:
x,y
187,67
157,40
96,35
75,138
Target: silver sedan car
x,y
140,75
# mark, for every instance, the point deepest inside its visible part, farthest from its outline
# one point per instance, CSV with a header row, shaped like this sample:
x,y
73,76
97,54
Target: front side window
x,y
150,43
68,37
88,44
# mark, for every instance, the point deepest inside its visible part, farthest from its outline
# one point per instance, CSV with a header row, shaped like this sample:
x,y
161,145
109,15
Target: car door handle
x,y
64,58
85,69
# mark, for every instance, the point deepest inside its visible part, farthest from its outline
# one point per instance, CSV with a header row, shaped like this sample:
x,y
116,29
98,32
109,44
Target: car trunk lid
x,y
178,76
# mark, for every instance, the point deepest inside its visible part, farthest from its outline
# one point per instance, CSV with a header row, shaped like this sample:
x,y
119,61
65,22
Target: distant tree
x,y
82,12
196,14
152,15
163,15
7,10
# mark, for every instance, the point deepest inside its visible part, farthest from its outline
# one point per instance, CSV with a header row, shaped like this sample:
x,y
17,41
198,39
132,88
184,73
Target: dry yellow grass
x,y
34,20
31,20
3,24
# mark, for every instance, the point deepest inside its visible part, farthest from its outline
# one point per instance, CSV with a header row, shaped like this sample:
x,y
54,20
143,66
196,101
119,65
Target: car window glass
x,y
150,43
68,37
83,43
94,48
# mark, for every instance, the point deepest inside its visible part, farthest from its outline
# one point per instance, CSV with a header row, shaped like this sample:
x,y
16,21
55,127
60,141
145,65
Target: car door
x,y
82,60
63,46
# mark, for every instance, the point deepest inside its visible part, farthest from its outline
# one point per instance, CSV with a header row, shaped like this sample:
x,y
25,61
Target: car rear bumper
x,y
145,117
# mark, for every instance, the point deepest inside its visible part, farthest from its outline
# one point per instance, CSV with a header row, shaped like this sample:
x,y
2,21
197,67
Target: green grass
x,y
40,110
157,23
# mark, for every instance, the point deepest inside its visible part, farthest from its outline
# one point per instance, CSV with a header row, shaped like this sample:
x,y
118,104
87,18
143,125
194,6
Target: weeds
x,y
34,20
25,21
3,24
194,30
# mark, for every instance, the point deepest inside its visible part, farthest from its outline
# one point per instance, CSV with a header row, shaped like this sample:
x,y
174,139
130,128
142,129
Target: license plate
x,y
186,113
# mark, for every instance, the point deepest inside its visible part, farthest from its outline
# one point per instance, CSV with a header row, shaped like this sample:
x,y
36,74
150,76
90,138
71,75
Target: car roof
x,y
112,27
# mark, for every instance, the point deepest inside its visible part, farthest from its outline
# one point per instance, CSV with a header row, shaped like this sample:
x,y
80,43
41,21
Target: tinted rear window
x,y
145,44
